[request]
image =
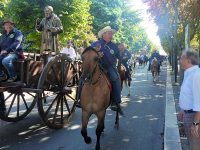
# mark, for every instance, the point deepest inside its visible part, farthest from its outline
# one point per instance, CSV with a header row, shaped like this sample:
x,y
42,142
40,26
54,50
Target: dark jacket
x,y
12,42
110,51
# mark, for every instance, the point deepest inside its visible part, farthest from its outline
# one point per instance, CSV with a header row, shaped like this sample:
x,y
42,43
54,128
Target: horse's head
x,y
90,58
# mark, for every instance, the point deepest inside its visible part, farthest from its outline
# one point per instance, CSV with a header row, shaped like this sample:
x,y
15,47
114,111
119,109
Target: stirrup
x,y
116,107
78,104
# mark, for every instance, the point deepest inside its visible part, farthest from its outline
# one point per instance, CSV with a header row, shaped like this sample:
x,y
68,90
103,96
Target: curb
x,y
171,134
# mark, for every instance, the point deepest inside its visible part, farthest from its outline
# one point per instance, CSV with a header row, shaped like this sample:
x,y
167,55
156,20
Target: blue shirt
x,y
125,56
110,51
11,42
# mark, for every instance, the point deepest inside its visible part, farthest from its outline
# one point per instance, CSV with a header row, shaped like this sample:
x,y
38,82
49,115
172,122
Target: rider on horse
x,y
156,55
125,56
110,54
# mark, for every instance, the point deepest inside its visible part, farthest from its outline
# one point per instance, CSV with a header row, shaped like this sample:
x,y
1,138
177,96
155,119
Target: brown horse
x,y
95,94
154,69
123,77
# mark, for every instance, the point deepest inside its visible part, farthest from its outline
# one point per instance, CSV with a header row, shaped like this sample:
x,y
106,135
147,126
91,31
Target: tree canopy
x,y
81,19
164,14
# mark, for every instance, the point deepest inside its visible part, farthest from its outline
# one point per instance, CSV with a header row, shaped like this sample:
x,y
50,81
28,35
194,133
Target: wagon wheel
x,y
18,103
57,102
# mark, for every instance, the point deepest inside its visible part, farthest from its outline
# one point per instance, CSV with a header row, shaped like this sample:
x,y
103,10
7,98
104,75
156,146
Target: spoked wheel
x,y
18,103
58,82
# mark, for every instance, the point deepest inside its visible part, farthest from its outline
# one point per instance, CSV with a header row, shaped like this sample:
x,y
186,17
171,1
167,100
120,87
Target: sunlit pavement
x,y
141,129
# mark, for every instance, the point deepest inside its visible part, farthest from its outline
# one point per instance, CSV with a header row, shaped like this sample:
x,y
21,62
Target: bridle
x,y
88,78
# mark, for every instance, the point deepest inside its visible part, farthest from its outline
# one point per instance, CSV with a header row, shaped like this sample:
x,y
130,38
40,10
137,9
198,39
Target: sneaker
x,y
12,79
3,77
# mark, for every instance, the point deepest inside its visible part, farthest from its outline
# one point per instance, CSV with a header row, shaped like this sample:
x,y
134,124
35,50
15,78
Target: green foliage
x,y
121,17
81,19
106,12
76,25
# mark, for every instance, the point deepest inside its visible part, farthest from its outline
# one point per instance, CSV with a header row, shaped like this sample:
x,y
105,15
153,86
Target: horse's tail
x,y
126,81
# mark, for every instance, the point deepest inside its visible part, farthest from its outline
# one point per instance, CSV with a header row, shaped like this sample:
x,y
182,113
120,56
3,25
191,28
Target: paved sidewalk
x,y
176,93
171,134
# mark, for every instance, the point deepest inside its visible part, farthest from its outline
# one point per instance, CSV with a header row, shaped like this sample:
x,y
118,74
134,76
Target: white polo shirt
x,y
69,51
190,89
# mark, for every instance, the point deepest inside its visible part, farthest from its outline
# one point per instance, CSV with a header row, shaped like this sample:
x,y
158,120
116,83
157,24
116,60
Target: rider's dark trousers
x,y
115,81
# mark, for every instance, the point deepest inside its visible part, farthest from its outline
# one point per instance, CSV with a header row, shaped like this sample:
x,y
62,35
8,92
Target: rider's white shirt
x,y
190,89
69,51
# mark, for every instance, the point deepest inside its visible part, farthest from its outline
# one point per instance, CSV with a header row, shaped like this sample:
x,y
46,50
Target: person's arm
x,y
40,26
196,104
16,43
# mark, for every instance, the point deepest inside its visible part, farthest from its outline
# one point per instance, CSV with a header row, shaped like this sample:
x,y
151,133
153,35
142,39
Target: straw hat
x,y
106,29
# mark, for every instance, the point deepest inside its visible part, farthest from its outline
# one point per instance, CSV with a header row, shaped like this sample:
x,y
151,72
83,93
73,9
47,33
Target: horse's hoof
x,y
97,147
88,140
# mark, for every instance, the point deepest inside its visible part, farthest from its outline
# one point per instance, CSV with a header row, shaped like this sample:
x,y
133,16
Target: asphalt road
x,y
140,129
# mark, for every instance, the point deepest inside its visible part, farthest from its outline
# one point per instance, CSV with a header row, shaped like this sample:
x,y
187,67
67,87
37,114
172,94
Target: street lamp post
x,y
172,53
176,40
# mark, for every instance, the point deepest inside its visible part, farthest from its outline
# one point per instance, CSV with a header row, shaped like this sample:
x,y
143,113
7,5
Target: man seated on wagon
x,y
10,50
125,56
156,55
110,54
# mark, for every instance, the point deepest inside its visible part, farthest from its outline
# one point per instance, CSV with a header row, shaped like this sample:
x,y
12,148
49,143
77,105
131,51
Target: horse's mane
x,y
155,59
90,48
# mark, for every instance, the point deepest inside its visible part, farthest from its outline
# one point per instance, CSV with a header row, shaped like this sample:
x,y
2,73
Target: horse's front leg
x,y
100,127
85,119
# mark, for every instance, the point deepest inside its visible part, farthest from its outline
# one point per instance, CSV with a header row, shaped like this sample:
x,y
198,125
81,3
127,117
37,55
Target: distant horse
x,y
95,94
154,69
123,77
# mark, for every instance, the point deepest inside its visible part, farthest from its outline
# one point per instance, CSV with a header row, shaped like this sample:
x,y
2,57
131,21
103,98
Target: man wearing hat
x,y
50,26
10,48
108,61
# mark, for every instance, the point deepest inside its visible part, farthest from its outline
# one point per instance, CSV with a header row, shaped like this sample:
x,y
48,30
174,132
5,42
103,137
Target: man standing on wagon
x,y
50,26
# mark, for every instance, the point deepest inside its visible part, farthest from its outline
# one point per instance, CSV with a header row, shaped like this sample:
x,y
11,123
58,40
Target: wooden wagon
x,y
50,81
